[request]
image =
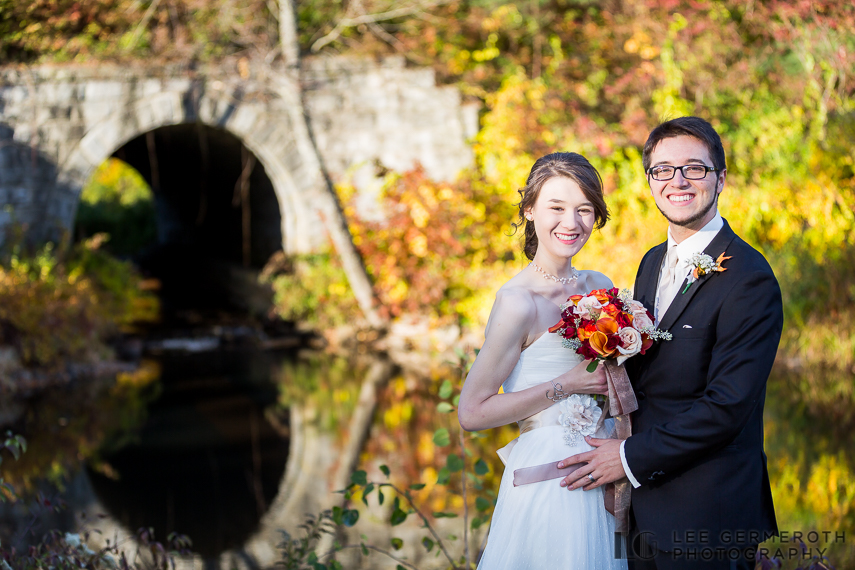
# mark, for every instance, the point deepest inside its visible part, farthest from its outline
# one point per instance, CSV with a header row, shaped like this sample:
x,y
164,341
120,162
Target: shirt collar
x,y
697,242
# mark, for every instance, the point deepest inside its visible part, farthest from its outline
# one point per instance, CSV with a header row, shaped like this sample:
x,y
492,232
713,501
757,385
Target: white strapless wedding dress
x,y
543,525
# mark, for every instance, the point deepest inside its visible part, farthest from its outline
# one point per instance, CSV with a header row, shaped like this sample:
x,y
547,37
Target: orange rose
x,y
585,332
600,295
575,299
611,309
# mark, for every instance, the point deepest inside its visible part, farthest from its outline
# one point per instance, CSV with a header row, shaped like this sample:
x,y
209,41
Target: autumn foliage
x,y
60,307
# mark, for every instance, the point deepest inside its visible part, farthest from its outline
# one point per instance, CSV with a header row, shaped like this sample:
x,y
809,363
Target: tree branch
x,y
427,524
143,23
345,23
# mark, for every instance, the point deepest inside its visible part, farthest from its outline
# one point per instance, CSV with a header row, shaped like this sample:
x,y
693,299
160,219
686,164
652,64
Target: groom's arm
x,y
748,330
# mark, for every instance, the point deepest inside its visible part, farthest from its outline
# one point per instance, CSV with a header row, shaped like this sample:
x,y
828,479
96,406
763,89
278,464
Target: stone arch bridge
x,y
57,123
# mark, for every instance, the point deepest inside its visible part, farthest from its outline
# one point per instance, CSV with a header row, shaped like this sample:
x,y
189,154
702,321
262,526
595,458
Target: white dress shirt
x,y
696,243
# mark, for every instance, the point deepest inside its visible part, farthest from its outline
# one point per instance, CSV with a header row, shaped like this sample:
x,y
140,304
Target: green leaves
x,y
359,478
398,517
346,517
482,504
442,476
441,437
454,463
444,407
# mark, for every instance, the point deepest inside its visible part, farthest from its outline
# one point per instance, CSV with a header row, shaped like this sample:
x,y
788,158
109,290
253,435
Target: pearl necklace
x,y
574,274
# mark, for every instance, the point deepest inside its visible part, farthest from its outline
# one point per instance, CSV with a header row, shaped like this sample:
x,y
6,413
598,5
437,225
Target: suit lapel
x,y
718,245
648,278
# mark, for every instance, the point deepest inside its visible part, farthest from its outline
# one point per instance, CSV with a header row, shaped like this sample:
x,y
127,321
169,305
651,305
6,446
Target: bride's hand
x,y
578,380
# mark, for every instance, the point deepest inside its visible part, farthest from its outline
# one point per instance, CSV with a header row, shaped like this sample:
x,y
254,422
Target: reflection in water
x,y
208,461
811,458
210,458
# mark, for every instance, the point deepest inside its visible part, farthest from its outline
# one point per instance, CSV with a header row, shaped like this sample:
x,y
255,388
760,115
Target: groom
x,y
701,496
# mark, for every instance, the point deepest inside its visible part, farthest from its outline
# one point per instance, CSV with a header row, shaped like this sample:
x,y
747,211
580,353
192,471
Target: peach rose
x,y
630,343
640,317
588,308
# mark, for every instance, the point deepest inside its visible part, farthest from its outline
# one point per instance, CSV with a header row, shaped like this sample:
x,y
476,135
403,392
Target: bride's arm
x,y
481,406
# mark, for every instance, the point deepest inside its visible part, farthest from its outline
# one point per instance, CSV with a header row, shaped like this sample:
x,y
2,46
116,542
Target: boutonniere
x,y
703,265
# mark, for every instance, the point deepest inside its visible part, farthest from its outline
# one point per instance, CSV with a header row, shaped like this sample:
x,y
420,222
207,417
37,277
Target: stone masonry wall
x,y
57,123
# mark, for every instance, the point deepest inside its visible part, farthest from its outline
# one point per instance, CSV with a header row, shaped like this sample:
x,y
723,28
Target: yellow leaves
x,y
489,52
116,181
65,310
338,289
503,16
398,414
828,491
399,292
419,214
640,43
426,452
419,245
147,373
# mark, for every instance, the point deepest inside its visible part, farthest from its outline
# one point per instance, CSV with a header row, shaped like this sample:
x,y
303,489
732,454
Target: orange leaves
x,y
425,255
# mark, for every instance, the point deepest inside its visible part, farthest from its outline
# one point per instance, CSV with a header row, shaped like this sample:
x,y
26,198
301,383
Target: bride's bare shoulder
x,y
514,306
596,280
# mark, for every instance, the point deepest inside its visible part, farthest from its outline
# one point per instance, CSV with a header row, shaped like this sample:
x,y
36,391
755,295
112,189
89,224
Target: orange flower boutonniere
x,y
704,265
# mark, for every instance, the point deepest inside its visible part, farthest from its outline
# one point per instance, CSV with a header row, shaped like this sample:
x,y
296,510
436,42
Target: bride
x,y
542,524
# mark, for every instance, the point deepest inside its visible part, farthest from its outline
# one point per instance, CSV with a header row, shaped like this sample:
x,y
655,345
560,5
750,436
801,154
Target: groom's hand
x,y
603,463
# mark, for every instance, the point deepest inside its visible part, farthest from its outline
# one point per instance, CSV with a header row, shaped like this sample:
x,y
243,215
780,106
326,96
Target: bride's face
x,y
563,218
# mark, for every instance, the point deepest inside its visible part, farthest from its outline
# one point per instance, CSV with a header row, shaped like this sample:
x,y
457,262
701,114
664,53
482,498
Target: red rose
x,y
586,351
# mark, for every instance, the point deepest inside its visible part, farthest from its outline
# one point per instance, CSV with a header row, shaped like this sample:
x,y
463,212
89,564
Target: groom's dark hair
x,y
686,126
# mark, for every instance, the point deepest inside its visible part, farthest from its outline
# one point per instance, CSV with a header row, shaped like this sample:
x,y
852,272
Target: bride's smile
x,y
563,220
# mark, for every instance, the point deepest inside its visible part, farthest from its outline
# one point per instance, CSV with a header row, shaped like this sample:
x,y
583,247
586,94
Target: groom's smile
x,y
685,203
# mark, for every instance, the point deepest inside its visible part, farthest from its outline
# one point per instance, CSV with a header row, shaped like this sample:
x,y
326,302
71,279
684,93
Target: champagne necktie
x,y
669,283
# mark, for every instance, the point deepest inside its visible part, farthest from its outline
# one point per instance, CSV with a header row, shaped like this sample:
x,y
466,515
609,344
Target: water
x,y
212,453
210,457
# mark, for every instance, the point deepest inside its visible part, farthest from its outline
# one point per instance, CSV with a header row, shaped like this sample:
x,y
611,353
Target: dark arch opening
x,y
209,459
218,218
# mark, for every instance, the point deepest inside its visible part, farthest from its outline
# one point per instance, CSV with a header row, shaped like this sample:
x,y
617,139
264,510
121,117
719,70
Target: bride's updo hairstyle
x,y
568,165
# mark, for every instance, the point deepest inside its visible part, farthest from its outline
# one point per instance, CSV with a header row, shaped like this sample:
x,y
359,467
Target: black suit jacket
x,y
697,446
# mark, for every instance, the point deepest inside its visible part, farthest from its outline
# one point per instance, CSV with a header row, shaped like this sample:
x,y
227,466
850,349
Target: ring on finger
x,y
591,477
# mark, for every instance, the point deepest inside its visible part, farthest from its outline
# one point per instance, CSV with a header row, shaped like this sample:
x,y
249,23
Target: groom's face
x,y
689,204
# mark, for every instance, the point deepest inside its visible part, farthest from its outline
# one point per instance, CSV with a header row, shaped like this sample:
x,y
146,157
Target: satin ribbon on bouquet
x,y
622,403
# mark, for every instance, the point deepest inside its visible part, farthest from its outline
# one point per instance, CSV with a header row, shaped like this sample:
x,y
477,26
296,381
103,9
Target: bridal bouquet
x,y
606,324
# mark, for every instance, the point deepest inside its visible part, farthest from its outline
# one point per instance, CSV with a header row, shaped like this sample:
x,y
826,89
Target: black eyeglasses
x,y
689,171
